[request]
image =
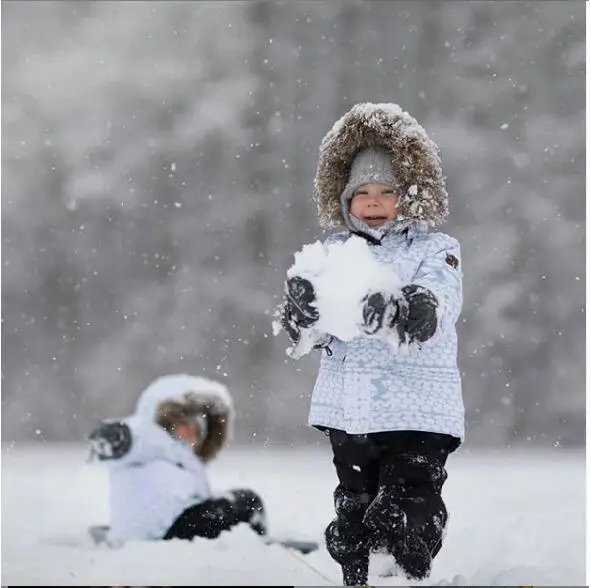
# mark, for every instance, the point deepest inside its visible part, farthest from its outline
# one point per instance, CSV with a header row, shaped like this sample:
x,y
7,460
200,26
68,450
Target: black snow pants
x,y
388,498
210,517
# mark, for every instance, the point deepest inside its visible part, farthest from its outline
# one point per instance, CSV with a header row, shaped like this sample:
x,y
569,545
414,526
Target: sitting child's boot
x,y
249,509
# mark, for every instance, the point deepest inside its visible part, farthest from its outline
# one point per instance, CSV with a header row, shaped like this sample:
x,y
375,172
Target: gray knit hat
x,y
372,165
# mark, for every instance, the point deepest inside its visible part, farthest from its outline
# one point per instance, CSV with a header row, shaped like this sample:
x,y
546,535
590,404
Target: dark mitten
x,y
374,312
383,312
110,440
298,311
300,292
421,321
288,322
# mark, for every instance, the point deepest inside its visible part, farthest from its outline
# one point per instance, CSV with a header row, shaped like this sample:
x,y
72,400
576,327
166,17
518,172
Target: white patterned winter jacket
x,y
363,387
153,484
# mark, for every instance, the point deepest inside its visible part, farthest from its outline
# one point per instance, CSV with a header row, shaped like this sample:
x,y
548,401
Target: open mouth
x,y
375,219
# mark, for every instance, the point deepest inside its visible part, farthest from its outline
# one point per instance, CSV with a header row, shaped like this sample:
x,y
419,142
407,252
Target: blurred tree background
x,y
157,167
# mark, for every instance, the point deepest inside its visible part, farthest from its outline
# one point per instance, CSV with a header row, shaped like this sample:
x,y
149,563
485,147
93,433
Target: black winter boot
x,y
350,552
347,539
413,556
409,526
249,509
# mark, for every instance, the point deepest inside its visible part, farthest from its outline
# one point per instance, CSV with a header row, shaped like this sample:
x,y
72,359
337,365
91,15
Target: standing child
x,y
392,419
159,487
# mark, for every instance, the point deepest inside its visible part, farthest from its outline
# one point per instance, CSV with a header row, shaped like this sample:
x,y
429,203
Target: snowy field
x,y
516,519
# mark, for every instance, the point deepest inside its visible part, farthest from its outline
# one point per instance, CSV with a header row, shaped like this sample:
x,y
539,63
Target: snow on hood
x,y
178,387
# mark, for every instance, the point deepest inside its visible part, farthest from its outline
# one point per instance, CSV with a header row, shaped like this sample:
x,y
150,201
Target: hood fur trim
x,y
173,397
415,158
195,405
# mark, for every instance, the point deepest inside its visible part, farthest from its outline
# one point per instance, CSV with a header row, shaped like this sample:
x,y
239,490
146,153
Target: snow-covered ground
x,y
516,519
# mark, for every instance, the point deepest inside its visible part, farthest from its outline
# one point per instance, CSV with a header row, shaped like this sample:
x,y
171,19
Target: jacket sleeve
x,y
441,273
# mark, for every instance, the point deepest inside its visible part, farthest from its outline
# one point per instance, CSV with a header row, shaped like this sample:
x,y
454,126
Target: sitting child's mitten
x,y
111,440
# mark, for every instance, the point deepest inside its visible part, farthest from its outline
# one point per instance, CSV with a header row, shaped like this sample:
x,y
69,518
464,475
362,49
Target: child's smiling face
x,y
375,204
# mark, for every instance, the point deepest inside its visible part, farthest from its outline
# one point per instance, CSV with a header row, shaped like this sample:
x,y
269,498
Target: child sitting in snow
x,y
392,418
159,487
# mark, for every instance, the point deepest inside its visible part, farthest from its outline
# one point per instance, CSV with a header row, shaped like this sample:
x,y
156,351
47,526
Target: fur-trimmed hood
x,y
193,397
415,158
